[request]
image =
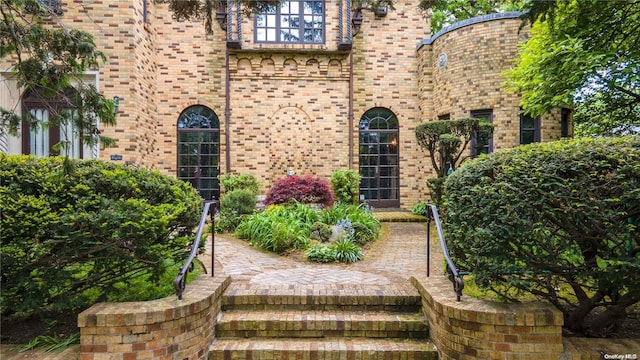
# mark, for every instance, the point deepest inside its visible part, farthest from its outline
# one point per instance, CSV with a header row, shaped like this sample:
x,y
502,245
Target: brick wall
x,y
161,329
289,103
129,73
476,329
386,75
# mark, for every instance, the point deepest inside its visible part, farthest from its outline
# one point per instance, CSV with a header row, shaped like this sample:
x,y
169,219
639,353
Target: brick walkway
x,y
392,260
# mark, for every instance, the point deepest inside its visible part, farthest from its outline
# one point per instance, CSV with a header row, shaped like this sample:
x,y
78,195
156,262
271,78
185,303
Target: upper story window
x,y
52,5
293,21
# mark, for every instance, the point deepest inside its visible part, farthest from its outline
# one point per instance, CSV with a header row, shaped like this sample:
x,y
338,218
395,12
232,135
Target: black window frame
x,y
526,131
482,114
565,115
278,26
55,6
34,99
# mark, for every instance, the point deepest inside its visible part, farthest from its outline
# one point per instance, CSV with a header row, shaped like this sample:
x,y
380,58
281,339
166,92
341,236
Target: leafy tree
x,y
49,58
446,141
447,12
559,220
584,53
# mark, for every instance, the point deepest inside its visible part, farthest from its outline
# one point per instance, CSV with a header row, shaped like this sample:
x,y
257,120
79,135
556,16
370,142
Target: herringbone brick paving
x,y
392,260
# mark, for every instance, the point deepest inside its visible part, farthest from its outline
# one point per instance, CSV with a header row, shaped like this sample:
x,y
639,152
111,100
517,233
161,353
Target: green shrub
x,y
346,250
419,208
240,202
321,253
235,206
67,239
561,215
366,227
282,228
247,182
304,189
346,185
279,228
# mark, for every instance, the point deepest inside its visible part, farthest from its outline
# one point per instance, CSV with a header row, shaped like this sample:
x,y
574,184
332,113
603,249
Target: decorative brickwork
x,y
476,329
164,329
295,106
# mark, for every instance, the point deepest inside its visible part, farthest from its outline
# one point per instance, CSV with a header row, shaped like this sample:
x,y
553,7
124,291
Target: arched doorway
x,y
378,158
199,150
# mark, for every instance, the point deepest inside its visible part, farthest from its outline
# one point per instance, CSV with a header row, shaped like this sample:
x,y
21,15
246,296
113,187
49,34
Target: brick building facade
x,y
312,87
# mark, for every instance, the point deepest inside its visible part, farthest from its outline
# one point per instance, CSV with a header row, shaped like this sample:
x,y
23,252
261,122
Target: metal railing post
x,y
212,212
458,282
180,283
427,213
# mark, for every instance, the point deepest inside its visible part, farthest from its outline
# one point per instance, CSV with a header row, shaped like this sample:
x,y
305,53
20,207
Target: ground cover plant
x,y
70,239
286,228
556,220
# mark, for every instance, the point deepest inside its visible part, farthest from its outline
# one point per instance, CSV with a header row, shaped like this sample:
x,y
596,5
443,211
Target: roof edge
x,y
467,22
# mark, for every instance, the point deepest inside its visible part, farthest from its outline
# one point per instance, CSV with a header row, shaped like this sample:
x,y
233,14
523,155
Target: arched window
x,y
378,158
199,149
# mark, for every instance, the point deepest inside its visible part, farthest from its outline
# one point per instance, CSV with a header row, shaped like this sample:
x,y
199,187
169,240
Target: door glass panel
x,y
199,150
379,158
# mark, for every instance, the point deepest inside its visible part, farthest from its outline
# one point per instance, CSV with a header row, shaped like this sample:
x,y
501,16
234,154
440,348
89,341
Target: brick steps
x,y
305,324
395,297
321,322
332,348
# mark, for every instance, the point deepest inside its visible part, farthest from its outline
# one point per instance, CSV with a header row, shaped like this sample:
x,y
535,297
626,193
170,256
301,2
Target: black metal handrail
x,y
180,283
458,283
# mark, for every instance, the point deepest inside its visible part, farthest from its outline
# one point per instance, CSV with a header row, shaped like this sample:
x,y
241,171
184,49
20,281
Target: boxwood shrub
x,y
67,238
559,220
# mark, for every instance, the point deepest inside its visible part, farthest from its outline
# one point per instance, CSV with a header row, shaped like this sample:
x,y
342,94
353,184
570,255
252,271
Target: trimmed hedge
x,y
558,220
68,238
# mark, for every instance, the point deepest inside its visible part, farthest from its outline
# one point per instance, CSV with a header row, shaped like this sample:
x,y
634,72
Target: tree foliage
x,y
208,9
584,53
49,58
559,220
446,141
68,238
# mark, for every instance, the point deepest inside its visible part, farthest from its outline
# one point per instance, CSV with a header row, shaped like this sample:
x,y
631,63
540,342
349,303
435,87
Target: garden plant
x,y
289,227
70,239
238,200
557,220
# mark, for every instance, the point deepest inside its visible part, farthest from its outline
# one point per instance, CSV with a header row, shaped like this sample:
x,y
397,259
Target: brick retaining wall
x,y
477,329
164,329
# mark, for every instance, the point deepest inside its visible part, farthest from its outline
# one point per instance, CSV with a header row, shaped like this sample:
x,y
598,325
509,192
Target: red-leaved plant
x,y
305,189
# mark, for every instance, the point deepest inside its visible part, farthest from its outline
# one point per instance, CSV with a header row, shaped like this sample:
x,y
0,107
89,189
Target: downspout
x,y
350,115
227,114
350,106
